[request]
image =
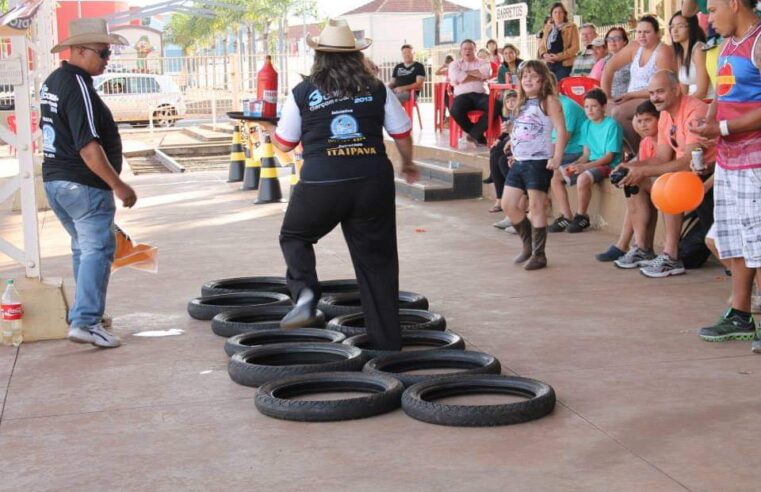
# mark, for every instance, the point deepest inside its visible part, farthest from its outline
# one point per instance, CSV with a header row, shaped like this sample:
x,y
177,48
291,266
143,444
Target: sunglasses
x,y
614,38
104,53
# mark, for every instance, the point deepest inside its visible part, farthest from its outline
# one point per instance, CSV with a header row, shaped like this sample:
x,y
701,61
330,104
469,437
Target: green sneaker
x,y
729,328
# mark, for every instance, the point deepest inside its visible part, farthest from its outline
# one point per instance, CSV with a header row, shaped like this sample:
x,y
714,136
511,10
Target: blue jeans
x,y
87,214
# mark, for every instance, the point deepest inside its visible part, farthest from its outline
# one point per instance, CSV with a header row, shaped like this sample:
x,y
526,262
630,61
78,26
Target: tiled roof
x,y
405,6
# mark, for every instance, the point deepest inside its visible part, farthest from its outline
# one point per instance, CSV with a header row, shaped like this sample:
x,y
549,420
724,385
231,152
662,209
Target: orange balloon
x,y
684,191
659,196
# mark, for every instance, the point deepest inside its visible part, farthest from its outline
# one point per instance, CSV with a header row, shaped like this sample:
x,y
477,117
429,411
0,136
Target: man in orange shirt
x,y
673,153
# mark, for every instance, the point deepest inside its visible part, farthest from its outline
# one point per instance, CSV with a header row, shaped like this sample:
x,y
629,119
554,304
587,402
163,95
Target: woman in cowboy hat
x,y
338,113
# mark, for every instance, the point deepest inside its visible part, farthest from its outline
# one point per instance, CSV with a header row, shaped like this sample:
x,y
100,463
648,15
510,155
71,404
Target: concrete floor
x,y
643,404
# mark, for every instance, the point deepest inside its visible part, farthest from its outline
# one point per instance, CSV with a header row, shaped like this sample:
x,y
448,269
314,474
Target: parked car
x,y
133,97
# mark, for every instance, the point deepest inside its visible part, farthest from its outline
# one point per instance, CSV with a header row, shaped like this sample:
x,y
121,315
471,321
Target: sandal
x,y
495,209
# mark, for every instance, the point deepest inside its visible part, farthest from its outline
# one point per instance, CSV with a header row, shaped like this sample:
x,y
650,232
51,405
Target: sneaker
x,y
560,225
511,230
634,258
612,254
96,335
502,224
663,266
732,328
578,224
755,346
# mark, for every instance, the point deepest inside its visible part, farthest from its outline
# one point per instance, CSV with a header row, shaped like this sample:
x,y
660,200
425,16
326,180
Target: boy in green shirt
x,y
602,138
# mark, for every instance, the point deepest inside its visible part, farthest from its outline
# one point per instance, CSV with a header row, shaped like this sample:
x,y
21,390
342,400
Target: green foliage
x,y
598,12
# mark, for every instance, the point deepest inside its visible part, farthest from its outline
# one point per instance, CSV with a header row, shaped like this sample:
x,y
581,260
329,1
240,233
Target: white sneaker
x,y
511,230
96,335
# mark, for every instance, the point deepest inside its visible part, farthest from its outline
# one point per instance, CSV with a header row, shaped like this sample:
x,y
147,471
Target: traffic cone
x,y
237,158
269,186
251,173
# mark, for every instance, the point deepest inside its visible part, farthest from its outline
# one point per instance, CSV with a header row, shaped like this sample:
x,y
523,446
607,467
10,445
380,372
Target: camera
x,y
616,177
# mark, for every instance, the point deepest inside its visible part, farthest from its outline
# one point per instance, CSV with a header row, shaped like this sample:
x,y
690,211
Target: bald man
x,y
673,153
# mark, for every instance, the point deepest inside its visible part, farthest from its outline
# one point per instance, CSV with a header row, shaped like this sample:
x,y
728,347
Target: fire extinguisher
x,y
266,88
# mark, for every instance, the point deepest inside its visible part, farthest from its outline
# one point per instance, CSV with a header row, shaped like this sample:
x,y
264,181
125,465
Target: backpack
x,y
692,248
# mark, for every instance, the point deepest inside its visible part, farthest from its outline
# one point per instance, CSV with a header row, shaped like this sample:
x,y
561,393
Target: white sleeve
x,y
396,121
288,130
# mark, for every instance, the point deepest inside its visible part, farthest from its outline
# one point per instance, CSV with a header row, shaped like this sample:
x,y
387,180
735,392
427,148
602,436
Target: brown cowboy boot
x,y
538,259
524,231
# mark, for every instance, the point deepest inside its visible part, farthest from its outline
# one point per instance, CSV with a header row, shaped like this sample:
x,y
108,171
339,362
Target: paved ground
x,y
643,403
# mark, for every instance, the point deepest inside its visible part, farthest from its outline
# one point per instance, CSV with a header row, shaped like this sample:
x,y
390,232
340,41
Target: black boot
x,y
304,313
524,231
538,241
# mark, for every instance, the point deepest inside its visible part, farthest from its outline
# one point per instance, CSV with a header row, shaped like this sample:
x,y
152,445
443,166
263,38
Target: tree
x,y
438,12
598,12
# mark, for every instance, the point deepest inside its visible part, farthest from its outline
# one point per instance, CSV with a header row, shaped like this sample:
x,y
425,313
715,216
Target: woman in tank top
x,y
645,56
688,40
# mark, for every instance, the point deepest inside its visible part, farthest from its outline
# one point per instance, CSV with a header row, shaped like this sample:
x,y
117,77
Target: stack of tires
x,y
334,356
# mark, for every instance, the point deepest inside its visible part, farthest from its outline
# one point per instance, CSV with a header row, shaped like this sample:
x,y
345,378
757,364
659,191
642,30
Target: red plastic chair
x,y
495,120
11,121
439,105
577,87
410,106
455,132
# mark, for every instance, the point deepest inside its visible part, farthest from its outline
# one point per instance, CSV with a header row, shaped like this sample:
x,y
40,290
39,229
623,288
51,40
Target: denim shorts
x,y
530,175
597,173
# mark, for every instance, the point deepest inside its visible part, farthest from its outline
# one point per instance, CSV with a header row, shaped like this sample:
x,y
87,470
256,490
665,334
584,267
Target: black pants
x,y
473,101
498,165
366,210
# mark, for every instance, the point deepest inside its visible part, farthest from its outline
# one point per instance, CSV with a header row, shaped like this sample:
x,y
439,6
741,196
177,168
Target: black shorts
x,y
530,175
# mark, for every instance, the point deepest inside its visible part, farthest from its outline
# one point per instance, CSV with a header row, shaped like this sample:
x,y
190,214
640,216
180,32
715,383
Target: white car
x,y
133,97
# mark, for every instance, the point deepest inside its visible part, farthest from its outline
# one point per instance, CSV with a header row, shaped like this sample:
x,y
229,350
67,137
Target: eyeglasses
x,y
104,53
614,38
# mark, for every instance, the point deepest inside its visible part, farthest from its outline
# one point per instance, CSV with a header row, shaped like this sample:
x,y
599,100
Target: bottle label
x,y
12,312
270,96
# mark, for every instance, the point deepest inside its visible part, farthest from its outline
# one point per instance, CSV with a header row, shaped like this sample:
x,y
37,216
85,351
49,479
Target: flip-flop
x,y
495,209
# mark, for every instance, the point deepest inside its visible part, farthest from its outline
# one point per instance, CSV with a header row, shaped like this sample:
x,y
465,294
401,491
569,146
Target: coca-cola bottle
x,y
12,311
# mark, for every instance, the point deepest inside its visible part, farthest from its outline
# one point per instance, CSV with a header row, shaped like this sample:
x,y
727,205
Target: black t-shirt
x,y
406,75
73,115
342,138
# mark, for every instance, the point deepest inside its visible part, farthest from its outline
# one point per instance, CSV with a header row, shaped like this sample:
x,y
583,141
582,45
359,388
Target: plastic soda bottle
x,y
12,312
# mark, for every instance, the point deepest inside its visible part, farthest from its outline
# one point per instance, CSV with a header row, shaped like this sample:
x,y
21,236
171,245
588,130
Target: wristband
x,y
724,128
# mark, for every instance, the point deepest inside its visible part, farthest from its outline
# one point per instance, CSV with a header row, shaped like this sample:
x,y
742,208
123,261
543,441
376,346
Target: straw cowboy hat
x,y
337,37
89,31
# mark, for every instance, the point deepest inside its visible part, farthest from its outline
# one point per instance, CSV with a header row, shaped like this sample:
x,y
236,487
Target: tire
x,y
165,117
245,341
205,308
259,365
245,284
272,399
334,305
338,286
395,365
418,403
436,340
411,319
259,318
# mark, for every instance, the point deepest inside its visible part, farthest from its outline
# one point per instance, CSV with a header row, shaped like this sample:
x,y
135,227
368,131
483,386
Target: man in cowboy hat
x,y
338,113
83,159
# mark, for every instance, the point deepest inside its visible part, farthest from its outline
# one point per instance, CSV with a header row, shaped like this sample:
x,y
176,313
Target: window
x,y
143,85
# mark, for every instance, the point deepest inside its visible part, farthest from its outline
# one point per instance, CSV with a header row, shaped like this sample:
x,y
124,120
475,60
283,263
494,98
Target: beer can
x,y
697,159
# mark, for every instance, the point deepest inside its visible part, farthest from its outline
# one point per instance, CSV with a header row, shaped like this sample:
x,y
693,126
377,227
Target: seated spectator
x,y
688,41
600,52
483,54
583,63
617,40
508,70
644,58
646,124
443,71
468,76
603,140
492,48
673,152
500,151
407,76
560,42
